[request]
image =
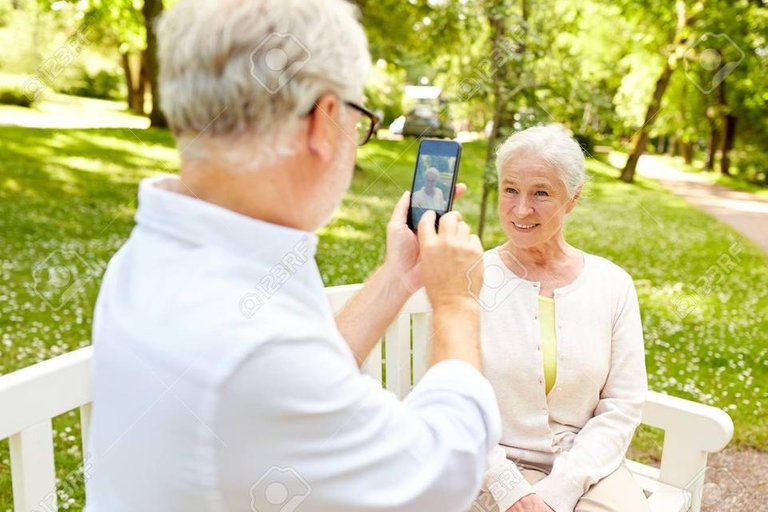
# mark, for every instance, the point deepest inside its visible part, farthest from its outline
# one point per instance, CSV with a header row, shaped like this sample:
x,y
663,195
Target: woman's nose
x,y
521,208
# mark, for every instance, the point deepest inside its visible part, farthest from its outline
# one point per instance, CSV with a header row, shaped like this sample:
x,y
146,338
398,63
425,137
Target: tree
x,y
151,11
121,25
684,18
499,13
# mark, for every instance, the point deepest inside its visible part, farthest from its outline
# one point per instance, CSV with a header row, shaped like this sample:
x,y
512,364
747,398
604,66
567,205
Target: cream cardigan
x,y
583,428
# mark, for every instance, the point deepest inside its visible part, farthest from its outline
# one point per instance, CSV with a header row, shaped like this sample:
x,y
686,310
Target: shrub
x,y
750,165
10,95
587,143
102,84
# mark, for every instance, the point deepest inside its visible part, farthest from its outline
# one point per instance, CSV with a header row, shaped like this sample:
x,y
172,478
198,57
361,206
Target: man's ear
x,y
323,128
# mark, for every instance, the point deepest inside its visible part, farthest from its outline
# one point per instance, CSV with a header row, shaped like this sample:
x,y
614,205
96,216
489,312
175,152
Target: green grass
x,y
68,196
56,110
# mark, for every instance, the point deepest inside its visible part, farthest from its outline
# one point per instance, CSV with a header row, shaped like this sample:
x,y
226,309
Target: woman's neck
x,y
551,255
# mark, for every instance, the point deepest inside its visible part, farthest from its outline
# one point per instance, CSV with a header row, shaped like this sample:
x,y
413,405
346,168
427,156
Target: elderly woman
x,y
562,344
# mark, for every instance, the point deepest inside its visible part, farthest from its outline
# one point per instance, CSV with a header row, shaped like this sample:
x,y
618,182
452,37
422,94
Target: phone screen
x,y
434,180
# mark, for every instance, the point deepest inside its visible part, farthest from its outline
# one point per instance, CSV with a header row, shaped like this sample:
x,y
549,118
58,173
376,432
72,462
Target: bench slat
x,y
32,468
44,390
398,356
420,344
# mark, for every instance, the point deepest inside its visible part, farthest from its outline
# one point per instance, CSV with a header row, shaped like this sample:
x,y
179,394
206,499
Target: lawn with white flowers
x,y
66,204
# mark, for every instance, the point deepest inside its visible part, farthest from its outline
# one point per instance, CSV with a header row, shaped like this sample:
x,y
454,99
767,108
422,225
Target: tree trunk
x,y
133,84
712,148
126,65
143,80
497,32
729,134
729,129
151,11
641,139
501,94
487,182
686,149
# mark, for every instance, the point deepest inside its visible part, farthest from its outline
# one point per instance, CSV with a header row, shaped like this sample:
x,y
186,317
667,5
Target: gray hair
x,y
432,171
554,145
231,67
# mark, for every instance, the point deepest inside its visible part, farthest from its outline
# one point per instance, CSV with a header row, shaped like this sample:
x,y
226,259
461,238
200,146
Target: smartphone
x,y
434,179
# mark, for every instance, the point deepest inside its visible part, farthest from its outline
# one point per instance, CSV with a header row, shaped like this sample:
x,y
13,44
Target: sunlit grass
x,y
55,110
70,194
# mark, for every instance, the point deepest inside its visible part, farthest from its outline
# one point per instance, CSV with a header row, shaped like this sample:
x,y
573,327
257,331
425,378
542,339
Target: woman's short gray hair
x,y
554,145
234,65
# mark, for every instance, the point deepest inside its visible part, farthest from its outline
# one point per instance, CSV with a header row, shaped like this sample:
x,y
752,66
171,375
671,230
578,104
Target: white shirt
x,y
422,200
222,383
583,427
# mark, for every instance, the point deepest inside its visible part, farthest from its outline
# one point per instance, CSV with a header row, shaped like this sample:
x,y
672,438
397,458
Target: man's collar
x,y
204,223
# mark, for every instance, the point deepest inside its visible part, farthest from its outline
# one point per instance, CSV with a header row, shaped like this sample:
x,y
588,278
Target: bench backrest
x,y
31,397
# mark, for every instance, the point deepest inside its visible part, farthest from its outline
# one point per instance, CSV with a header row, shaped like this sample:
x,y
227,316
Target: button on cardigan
x,y
582,429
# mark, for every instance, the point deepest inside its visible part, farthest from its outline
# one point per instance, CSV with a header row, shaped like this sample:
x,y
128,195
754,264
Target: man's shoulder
x,y
206,303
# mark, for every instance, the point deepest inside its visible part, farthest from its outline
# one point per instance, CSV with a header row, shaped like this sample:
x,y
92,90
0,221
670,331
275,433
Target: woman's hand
x,y
530,503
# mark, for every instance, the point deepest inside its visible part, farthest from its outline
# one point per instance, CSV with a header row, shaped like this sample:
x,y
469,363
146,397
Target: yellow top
x,y
548,340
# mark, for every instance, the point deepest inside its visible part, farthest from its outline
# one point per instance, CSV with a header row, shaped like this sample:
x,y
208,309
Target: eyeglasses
x,y
366,125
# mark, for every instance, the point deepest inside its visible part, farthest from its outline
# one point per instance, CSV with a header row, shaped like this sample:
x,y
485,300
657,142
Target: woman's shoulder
x,y
607,269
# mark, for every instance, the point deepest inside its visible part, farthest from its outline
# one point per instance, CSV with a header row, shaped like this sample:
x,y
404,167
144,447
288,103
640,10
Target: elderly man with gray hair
x,y
430,195
222,381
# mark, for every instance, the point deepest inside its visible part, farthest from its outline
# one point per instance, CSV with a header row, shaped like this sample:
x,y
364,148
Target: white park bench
x,y
31,397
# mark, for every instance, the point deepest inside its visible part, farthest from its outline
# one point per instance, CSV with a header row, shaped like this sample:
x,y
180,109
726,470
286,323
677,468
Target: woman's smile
x,y
523,228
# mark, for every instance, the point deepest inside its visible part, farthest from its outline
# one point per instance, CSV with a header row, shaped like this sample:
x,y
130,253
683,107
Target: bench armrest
x,y
692,430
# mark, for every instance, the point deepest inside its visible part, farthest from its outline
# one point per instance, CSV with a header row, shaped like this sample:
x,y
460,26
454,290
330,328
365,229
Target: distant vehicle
x,y
424,121
396,126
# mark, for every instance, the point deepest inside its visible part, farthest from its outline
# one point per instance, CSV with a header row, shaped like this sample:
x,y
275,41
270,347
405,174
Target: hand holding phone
x,y
434,179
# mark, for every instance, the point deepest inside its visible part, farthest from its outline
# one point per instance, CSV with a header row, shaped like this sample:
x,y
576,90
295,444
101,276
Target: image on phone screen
x,y
434,179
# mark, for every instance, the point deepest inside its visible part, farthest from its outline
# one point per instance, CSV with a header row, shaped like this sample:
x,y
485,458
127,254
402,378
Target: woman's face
x,y
533,201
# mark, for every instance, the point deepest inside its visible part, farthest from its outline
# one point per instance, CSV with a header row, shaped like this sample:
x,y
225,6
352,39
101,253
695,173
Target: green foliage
x,y
12,95
103,84
406,33
749,165
586,141
384,90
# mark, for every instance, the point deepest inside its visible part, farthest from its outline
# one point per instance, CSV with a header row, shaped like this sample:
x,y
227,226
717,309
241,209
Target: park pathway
x,y
746,212
736,479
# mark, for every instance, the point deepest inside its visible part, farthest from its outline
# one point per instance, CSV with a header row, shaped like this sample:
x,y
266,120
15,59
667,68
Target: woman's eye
x,y
541,193
510,190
